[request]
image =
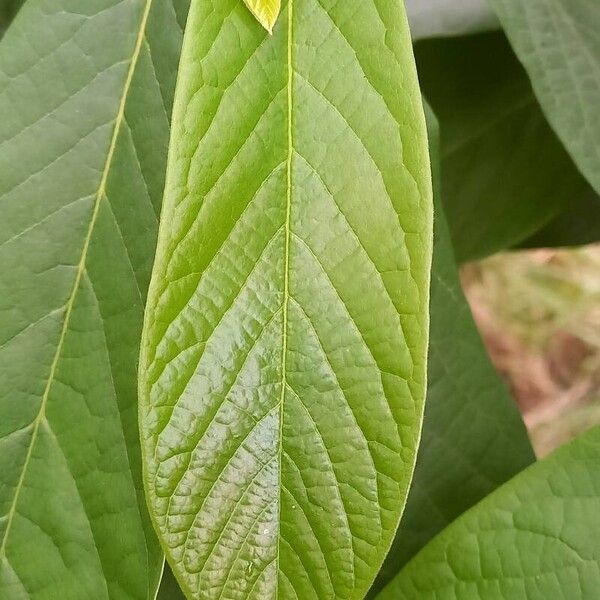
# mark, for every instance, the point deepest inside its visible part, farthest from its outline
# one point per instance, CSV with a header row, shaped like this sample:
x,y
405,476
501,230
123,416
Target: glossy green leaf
x,y
559,45
266,11
440,18
283,362
535,538
473,436
85,93
505,174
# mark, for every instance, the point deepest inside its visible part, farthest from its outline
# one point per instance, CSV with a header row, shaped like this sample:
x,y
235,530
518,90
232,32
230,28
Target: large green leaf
x,y
284,353
559,45
434,18
535,538
504,172
473,436
85,90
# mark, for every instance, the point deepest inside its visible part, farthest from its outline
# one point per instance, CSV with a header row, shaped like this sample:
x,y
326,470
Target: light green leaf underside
x,y
266,12
473,436
559,45
284,350
533,539
84,97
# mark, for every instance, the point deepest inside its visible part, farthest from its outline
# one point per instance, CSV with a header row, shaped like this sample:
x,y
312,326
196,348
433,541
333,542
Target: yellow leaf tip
x,y
267,18
268,25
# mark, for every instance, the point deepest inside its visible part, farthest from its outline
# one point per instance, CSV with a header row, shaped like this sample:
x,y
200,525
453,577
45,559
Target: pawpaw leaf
x,y
505,174
85,93
534,538
283,361
559,46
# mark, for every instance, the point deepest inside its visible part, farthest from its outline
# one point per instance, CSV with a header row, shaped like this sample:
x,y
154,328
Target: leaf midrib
x,y
286,294
81,269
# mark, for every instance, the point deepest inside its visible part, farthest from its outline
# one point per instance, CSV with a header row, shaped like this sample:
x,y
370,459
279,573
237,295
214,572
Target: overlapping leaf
x,y
559,45
85,90
504,172
533,539
283,360
266,11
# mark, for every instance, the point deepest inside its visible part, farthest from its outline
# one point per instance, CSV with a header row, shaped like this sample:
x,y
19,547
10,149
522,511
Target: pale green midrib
x,y
286,294
81,268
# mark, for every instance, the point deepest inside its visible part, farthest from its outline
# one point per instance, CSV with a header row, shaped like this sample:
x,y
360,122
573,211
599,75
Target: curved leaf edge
x,y
170,561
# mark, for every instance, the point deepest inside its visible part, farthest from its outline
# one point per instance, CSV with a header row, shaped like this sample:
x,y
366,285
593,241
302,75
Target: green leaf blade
x,y
283,361
519,174
559,46
84,134
534,538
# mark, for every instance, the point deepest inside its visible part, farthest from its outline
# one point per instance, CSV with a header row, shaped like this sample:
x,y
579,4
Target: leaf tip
x,y
267,18
268,24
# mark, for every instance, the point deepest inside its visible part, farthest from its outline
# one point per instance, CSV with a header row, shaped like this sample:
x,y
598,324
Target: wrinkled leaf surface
x,y
534,538
284,355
